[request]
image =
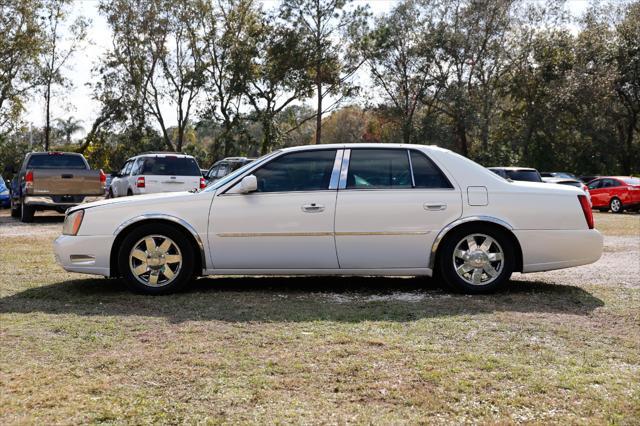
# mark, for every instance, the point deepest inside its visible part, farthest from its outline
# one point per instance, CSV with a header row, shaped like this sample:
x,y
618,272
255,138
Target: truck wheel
x,y
15,210
26,213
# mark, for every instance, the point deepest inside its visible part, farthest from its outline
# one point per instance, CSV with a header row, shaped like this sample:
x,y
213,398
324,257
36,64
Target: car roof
x,y
161,155
559,179
512,168
361,145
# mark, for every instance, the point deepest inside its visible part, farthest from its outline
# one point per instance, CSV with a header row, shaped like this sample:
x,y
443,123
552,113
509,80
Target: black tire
x,y
182,277
446,261
616,205
26,213
15,209
129,193
110,193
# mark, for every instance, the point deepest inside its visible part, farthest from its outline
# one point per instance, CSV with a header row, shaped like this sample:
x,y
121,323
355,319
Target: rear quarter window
x,y
57,161
170,166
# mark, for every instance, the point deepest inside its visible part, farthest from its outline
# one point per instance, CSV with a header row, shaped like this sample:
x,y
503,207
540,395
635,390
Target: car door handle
x,y
312,208
434,207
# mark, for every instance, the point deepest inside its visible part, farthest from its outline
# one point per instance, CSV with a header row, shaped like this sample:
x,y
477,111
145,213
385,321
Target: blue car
x,y
5,199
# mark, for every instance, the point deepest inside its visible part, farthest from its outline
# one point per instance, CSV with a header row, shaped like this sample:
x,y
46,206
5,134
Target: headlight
x,y
72,223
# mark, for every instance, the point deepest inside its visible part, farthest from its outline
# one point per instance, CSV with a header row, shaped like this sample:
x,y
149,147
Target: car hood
x,y
136,200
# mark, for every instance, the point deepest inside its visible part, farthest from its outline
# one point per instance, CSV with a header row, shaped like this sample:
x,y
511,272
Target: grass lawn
x,y
555,347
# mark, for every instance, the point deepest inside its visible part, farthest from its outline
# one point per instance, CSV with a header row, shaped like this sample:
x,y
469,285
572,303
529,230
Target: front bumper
x,y
84,254
545,250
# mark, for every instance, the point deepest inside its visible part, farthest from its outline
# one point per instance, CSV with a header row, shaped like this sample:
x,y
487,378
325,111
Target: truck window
x,y
56,161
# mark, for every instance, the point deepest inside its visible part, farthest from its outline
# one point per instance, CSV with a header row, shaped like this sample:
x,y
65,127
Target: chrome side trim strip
x,y
316,234
449,227
174,219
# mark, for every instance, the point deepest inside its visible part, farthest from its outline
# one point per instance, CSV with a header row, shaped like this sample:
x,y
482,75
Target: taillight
x,y
28,179
103,177
203,183
140,182
586,209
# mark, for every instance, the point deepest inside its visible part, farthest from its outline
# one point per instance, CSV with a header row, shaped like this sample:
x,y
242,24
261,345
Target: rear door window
x,y
426,174
170,166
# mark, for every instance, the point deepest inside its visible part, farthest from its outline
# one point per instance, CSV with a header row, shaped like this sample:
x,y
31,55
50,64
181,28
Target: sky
x,y
78,102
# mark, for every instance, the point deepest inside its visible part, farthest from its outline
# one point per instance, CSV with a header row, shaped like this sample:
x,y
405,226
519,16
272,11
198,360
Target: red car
x,y
615,193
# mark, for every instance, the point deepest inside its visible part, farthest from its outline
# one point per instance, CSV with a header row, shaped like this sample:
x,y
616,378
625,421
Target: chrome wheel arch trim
x,y
169,218
463,220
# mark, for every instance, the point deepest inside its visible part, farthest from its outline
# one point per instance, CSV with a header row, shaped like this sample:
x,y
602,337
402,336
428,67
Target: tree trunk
x,y
267,134
47,127
461,136
319,115
406,131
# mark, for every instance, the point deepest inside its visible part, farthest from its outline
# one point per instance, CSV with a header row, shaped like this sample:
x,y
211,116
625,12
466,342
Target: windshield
x,y
170,166
523,175
241,170
3,186
631,181
57,161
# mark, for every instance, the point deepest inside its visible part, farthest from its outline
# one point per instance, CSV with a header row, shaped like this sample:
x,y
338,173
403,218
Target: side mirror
x,y
248,184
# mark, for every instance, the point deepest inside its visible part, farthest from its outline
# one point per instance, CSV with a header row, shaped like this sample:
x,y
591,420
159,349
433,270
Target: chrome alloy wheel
x,y
478,259
155,260
615,205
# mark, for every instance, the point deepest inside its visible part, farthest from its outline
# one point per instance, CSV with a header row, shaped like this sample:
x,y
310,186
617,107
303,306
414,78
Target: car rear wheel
x,y
476,259
156,259
26,213
616,205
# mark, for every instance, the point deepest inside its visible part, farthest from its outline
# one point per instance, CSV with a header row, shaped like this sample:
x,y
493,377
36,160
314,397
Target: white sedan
x,y
364,209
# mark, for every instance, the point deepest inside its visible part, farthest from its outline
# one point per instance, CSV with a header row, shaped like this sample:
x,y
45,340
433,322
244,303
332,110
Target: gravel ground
x,y
619,265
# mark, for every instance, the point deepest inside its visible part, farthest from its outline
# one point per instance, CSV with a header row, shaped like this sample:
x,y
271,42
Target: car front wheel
x,y
476,259
156,259
616,205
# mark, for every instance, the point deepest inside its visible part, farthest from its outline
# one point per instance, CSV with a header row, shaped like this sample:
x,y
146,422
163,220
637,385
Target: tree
x,y
324,26
278,76
402,54
20,45
59,46
472,43
154,59
227,35
68,127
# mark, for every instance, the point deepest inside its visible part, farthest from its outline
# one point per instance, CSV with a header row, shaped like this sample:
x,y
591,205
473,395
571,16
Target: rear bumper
x,y
84,254
46,202
550,249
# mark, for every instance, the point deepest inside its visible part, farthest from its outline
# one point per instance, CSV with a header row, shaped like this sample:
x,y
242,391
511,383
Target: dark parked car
x,y
5,199
565,175
518,173
588,178
223,167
